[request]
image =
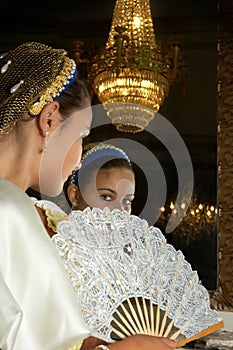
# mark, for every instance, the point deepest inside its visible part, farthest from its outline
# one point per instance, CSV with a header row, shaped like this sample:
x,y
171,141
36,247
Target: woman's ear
x,y
73,194
75,197
49,119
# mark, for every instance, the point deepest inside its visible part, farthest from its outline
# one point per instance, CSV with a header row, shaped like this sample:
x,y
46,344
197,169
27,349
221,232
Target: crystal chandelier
x,y
132,74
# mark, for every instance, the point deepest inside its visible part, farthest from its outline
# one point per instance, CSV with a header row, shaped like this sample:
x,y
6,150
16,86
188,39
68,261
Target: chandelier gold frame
x,y
132,74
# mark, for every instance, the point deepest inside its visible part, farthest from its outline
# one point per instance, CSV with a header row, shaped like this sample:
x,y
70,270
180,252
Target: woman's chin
x,y
51,192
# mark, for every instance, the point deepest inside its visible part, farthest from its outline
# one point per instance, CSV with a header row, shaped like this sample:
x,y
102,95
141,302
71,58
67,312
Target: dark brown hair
x,y
75,96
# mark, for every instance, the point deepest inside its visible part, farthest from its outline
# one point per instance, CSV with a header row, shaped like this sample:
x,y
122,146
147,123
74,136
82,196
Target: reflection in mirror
x,y
191,107
194,116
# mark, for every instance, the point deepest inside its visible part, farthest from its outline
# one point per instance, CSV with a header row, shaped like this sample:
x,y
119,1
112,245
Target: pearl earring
x,y
46,142
74,205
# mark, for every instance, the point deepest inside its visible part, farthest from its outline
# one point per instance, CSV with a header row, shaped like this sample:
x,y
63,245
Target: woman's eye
x,y
127,202
106,197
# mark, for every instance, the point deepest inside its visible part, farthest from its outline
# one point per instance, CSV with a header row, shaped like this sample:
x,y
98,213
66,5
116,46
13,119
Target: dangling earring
x,y
74,205
46,142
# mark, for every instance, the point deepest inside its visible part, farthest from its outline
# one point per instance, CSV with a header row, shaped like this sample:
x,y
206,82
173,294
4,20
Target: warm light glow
x,y
200,218
121,82
101,88
146,84
131,68
136,22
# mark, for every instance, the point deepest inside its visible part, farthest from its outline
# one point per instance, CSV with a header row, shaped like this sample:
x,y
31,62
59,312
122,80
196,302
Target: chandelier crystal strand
x,y
135,17
131,76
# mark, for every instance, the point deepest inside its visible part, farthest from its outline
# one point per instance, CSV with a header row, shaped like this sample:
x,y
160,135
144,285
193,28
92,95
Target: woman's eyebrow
x,y
105,189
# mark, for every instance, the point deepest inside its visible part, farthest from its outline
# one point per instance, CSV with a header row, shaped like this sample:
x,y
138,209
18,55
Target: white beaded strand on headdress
x,y
53,70
104,146
93,154
6,65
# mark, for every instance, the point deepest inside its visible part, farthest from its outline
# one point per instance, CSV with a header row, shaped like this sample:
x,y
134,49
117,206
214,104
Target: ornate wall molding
x,y
222,298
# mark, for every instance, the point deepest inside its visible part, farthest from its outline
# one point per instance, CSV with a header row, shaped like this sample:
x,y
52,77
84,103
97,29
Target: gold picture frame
x,y
222,297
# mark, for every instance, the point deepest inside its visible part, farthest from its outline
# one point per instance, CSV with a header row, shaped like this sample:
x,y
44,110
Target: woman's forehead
x,y
115,176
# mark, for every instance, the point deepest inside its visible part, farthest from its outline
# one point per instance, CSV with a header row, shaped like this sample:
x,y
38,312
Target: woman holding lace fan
x,y
44,115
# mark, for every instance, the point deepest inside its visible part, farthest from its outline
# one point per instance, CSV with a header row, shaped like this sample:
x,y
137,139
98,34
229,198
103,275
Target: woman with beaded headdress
x,y
41,102
44,115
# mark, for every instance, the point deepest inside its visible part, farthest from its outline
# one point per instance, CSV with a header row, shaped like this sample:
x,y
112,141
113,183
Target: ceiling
x,y
102,9
91,19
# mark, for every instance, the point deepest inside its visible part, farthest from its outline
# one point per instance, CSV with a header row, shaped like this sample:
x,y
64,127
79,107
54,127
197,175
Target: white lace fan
x,y
128,280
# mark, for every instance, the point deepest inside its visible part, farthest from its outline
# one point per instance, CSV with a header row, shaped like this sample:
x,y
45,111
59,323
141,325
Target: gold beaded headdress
x,y
31,75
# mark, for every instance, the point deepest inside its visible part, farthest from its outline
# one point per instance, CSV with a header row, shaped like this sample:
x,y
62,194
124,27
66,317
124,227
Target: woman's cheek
x,y
72,159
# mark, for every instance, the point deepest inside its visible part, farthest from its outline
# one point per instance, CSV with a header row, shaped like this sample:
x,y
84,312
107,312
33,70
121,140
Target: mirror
x,y
221,152
195,118
196,22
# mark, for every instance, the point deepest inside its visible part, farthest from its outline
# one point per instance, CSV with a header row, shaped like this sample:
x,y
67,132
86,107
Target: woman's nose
x,y
119,205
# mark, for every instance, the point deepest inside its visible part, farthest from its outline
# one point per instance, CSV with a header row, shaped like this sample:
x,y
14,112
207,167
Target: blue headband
x,y
100,151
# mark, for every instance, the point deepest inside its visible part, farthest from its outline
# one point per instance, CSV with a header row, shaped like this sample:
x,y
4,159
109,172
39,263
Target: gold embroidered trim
x,y
77,346
56,87
53,218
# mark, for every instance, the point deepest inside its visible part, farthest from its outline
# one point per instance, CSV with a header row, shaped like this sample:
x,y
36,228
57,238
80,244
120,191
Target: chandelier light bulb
x,y
136,22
